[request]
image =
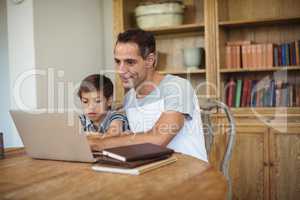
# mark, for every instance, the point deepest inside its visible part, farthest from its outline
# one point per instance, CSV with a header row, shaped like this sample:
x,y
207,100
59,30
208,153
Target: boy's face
x,y
95,105
131,66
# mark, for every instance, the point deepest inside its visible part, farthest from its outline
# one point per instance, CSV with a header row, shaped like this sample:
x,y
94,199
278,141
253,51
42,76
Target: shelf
x,y
182,71
266,110
177,29
257,22
283,68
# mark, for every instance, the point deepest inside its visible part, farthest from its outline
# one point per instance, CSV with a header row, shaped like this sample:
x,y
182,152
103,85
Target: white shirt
x,y
172,94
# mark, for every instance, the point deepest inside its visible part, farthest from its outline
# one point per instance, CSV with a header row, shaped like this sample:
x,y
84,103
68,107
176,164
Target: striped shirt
x,y
105,123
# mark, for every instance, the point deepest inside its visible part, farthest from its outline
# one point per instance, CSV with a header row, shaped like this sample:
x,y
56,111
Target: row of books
x,y
245,54
264,93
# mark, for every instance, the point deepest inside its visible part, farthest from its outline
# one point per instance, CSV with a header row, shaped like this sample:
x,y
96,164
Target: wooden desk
x,y
24,178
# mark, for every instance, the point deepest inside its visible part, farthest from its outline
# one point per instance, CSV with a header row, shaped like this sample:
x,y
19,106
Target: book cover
x,y
134,171
137,152
249,56
283,56
231,92
238,57
272,98
238,93
287,54
248,101
245,92
244,56
228,57
269,53
275,55
127,164
264,55
259,55
253,93
292,53
253,56
280,63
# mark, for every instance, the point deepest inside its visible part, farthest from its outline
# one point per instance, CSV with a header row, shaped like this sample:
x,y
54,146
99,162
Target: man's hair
x,y
144,39
96,82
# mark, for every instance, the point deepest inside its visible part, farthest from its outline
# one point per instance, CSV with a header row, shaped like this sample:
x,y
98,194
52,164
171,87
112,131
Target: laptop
x,y
50,136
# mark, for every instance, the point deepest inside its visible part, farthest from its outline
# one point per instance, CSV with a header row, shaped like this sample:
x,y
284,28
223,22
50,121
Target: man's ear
x,y
150,60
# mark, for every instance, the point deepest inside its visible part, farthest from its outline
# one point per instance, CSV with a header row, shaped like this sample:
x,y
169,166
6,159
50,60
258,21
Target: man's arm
x,y
167,126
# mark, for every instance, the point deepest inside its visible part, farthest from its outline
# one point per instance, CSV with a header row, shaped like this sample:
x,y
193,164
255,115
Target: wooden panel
x,y
118,27
248,171
272,33
210,22
248,9
193,12
285,162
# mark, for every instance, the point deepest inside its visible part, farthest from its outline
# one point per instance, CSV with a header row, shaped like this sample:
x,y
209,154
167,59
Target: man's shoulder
x,y
175,84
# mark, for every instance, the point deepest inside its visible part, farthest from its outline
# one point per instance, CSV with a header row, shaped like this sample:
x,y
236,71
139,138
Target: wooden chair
x,y
207,110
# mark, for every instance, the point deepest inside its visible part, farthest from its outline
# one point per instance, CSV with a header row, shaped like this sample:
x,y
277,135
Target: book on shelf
x,y
263,93
246,54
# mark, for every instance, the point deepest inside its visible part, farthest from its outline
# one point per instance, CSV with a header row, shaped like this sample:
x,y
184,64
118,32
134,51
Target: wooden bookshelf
x,y
273,69
186,28
259,22
254,170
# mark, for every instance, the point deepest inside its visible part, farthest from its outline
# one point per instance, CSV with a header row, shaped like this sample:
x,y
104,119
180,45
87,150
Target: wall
x,y
68,38
62,40
5,120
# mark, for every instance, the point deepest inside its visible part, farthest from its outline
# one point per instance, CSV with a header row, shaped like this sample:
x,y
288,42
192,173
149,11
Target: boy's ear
x,y
110,101
150,60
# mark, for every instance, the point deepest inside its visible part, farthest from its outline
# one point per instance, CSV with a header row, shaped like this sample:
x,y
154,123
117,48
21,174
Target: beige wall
x,y
64,40
72,36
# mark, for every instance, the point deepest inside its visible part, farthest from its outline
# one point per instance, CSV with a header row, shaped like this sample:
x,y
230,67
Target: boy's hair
x,y
96,82
144,39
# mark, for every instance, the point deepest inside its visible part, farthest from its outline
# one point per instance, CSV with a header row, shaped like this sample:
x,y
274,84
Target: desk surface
x,y
24,178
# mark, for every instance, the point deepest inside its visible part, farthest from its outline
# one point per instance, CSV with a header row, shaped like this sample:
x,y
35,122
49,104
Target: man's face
x,y
132,68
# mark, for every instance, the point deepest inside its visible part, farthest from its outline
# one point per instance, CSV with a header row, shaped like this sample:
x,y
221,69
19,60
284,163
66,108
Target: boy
x,y
96,95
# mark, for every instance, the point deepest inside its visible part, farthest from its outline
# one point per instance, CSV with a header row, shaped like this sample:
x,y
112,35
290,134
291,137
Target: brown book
x,y
259,52
264,55
233,57
238,57
249,56
228,57
253,56
244,56
137,152
128,164
270,55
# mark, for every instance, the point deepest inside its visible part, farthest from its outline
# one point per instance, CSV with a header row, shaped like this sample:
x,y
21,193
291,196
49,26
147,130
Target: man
x,y
161,109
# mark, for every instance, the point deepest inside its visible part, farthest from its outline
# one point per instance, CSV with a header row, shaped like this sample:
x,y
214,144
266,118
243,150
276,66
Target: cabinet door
x,y
285,163
248,167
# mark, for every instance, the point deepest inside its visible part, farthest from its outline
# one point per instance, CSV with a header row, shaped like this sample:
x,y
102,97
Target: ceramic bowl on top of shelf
x,y
193,58
156,14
